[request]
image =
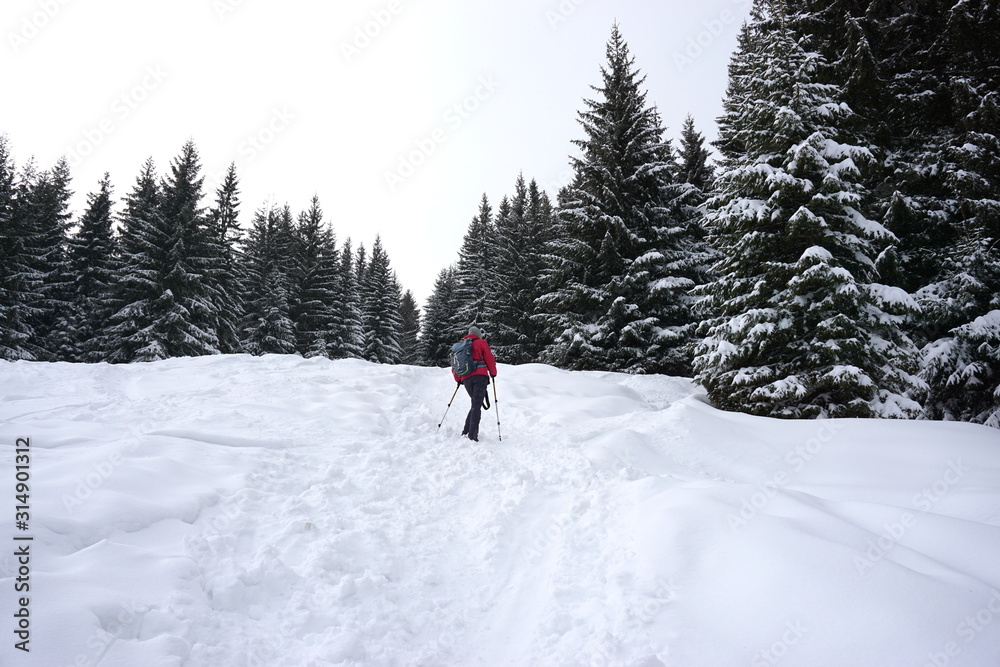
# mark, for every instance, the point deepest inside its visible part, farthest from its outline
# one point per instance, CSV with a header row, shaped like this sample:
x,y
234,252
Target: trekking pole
x,y
449,405
496,404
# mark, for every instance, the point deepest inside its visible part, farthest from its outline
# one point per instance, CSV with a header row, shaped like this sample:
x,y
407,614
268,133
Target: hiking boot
x,y
474,438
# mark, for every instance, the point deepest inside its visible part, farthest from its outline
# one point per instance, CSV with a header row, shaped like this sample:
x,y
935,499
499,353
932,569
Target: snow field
x,y
279,511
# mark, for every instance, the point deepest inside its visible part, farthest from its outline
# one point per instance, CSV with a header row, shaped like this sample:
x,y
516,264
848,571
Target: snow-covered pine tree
x,y
842,32
502,326
475,271
346,338
409,339
166,297
15,291
623,271
802,329
267,326
961,364
694,168
315,275
539,233
44,205
132,334
914,202
189,305
438,330
225,233
360,271
523,229
963,372
92,257
381,317
696,178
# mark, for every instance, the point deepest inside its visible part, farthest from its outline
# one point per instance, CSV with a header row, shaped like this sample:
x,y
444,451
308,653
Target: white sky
x,y
399,114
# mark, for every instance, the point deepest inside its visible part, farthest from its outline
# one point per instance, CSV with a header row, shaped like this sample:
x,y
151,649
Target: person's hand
x,y
458,383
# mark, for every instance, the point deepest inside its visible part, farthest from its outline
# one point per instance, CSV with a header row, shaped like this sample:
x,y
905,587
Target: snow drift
x,y
246,511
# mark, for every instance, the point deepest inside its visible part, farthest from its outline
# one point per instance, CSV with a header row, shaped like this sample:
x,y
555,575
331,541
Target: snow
x,y
985,326
870,227
849,374
783,388
895,299
776,177
231,510
838,151
671,283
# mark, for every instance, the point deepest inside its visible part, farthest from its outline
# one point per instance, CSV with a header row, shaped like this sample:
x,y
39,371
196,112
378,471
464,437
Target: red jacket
x,y
481,352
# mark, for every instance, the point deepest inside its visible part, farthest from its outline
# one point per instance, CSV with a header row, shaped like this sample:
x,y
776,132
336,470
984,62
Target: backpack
x,y
462,363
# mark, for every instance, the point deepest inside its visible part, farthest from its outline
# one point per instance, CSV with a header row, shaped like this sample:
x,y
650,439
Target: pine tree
x,y
225,235
360,270
192,295
409,339
46,219
475,270
15,293
166,302
917,207
223,217
696,178
802,328
539,233
381,313
507,222
92,257
314,276
926,80
960,301
438,331
523,229
347,335
267,326
133,332
694,168
963,372
622,269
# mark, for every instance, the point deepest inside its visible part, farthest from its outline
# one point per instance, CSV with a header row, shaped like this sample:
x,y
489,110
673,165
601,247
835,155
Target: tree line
x,y
166,277
839,258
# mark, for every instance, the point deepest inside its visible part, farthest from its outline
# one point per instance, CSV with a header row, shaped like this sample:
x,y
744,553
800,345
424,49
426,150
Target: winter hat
x,y
475,331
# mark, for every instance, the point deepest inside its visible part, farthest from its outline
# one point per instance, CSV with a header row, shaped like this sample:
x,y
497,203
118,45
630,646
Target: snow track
x,y
279,511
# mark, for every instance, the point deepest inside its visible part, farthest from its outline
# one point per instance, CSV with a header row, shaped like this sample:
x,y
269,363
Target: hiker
x,y
483,367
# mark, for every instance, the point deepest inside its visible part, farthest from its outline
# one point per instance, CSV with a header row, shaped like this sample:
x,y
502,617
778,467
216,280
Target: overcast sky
x,y
399,114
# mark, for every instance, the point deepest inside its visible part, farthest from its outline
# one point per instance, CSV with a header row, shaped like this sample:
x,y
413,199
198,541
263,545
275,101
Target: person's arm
x,y
491,362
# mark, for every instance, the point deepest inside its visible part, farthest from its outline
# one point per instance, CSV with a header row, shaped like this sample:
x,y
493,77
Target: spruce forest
x,y
837,256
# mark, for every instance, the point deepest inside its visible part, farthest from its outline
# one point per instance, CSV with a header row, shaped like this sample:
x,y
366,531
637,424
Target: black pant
x,y
476,386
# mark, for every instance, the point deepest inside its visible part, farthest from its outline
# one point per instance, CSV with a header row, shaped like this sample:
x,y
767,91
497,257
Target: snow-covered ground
x,y
279,511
